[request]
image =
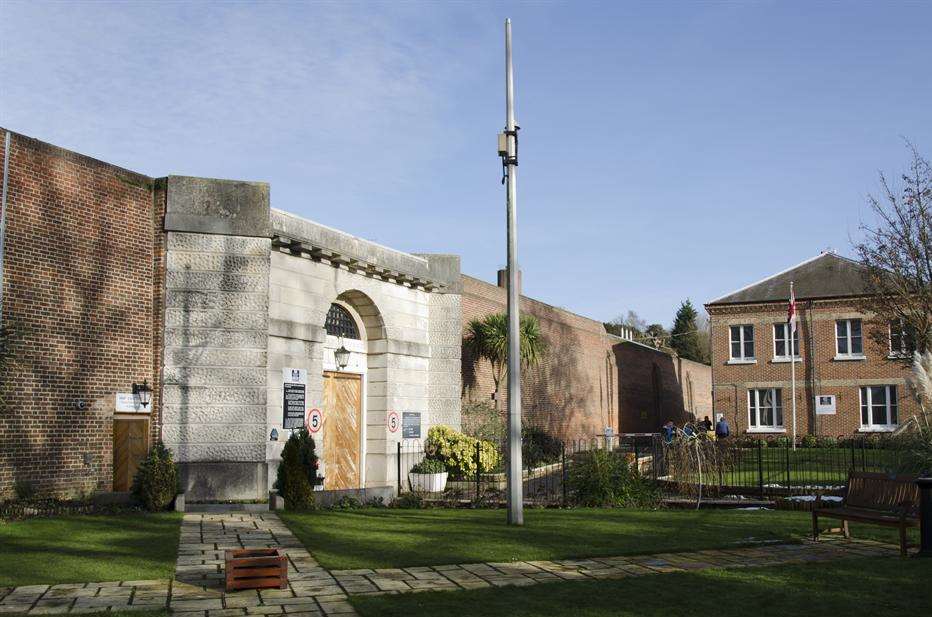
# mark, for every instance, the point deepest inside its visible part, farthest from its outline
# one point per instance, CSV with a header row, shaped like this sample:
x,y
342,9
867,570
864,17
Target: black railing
x,y
723,467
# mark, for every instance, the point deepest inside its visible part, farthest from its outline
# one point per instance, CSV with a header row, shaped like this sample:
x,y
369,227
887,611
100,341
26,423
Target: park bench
x,y
878,498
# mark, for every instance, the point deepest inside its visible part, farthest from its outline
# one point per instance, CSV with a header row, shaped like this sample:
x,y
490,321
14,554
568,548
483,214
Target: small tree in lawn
x,y
684,337
487,339
897,255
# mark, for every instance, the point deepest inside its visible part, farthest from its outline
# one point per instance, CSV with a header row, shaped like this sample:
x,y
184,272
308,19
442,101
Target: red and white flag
x,y
791,315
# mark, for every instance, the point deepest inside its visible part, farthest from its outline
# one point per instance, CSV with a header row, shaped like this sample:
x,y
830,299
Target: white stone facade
x,y
240,308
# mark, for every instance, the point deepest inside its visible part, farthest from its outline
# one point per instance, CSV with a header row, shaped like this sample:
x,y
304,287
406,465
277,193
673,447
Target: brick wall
x,y
80,263
588,379
818,372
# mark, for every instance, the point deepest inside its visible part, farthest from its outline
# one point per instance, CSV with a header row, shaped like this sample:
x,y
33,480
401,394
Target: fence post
x,y
563,470
852,454
760,467
478,447
398,466
789,482
637,461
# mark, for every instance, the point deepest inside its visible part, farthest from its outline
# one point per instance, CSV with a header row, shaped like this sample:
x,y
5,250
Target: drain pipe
x,y
6,181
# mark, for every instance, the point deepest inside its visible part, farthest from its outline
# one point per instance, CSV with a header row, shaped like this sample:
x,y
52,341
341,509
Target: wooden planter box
x,y
256,568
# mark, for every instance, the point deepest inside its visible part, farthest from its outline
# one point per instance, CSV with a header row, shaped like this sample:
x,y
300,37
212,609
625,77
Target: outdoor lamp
x,y
341,356
144,392
273,436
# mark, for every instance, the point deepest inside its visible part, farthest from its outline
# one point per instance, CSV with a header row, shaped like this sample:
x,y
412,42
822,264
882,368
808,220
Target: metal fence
x,y
728,467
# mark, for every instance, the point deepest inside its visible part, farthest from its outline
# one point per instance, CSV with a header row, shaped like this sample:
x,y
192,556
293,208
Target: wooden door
x,y
342,430
130,446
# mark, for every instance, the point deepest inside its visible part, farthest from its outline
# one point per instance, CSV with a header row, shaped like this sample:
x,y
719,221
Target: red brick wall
x,y
80,263
588,379
818,373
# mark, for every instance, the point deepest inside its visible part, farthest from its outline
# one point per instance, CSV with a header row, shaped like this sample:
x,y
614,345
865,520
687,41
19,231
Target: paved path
x,y
197,589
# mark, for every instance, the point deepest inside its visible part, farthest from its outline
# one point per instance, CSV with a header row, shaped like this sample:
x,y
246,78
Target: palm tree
x,y
487,339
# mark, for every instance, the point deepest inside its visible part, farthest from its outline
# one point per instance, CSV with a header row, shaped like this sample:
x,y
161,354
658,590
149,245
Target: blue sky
x,y
669,150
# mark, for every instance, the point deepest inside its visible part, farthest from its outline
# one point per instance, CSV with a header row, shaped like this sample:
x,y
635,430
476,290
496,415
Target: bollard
x,y
925,516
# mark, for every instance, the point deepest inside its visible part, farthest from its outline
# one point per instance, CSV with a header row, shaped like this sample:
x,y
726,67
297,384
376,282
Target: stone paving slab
x,y
197,589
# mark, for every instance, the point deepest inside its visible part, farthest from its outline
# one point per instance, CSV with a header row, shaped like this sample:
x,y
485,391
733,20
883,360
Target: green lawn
x,y
818,466
849,587
382,538
88,548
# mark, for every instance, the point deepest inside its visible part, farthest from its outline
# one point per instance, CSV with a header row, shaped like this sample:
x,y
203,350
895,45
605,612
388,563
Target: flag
x,y
791,315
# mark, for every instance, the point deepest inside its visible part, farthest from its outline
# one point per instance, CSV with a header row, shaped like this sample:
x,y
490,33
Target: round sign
x,y
393,422
315,420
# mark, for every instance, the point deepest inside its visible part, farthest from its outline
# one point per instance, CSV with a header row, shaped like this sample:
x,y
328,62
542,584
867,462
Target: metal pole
x,y
515,487
792,336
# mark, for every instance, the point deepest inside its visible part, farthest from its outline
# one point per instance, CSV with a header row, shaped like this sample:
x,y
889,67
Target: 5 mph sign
x,y
315,420
393,422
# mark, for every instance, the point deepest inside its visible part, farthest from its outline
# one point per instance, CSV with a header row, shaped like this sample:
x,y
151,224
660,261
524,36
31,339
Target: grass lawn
x,y
76,549
384,538
819,466
849,587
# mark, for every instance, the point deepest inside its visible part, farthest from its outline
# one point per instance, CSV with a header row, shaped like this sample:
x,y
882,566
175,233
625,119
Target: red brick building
x,y
851,370
588,379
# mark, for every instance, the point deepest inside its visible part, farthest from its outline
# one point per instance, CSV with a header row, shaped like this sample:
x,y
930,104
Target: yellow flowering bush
x,y
458,452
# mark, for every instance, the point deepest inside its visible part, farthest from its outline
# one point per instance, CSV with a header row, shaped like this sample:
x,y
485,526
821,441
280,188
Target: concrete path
x,y
197,589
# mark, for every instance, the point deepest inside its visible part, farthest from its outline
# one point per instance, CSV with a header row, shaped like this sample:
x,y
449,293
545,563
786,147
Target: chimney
x,y
503,279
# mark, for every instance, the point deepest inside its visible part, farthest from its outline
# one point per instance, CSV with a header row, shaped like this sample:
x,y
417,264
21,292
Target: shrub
x,y
826,442
603,478
482,421
808,441
24,490
297,472
429,465
458,452
915,451
156,481
411,500
780,442
539,447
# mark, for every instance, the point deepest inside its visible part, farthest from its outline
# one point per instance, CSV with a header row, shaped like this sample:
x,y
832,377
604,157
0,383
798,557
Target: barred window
x,y
340,323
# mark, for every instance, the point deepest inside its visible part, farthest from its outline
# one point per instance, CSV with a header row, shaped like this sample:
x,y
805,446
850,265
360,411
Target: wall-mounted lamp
x,y
273,436
341,355
144,392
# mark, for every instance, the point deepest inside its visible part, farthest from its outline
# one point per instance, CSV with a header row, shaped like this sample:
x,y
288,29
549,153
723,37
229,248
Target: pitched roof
x,y
825,276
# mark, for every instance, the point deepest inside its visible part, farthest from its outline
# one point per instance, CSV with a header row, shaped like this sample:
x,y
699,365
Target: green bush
x,y
297,472
826,442
600,478
538,447
409,500
482,421
809,441
458,452
429,465
156,480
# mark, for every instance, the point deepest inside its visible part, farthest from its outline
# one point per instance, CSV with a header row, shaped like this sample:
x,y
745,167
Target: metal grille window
x,y
340,323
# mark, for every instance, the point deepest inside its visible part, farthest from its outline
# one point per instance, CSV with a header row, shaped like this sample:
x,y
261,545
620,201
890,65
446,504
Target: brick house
x,y
851,370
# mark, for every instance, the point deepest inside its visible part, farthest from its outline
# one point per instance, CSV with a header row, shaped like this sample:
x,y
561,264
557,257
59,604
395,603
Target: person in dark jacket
x,y
721,428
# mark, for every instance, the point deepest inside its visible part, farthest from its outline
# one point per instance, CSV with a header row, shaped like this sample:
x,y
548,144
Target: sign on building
x,y
127,402
294,397
825,404
411,425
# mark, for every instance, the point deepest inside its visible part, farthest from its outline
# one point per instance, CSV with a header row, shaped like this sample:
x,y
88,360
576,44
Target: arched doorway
x,y
353,323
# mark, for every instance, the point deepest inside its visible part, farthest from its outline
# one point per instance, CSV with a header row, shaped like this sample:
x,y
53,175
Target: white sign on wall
x,y
127,402
825,404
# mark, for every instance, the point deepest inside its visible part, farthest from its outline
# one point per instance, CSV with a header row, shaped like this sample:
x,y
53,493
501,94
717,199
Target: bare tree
x,y
897,254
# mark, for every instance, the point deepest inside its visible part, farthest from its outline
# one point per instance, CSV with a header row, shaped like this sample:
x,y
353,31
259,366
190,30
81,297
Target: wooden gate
x,y
342,430
130,446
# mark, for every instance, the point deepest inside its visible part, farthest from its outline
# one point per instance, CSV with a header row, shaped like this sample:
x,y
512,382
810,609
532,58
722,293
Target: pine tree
x,y
684,337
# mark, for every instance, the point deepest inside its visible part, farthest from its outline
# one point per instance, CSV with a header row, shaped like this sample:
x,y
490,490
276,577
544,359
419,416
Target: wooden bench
x,y
878,498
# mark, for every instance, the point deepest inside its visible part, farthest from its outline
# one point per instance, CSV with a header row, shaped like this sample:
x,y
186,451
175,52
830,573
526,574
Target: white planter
x,y
427,482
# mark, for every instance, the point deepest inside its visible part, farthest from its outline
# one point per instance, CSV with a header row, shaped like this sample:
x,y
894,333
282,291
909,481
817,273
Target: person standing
x,y
721,428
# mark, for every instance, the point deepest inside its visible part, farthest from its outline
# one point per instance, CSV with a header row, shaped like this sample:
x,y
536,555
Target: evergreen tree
x,y
684,337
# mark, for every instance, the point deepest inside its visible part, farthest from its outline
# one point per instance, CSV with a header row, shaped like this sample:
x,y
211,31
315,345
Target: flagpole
x,y
792,345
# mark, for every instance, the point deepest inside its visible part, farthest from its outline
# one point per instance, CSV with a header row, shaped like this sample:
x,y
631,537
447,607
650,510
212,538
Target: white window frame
x,y
742,344
849,355
904,350
754,405
891,408
785,338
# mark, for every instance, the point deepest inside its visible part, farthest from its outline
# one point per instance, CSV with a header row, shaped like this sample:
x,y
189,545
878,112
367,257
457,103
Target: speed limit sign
x,y
314,420
393,422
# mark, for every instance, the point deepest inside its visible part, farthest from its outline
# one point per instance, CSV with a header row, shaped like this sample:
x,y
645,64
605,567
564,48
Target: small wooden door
x,y
130,446
342,430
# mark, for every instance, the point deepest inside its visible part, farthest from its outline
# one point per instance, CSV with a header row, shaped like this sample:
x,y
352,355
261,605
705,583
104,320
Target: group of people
x,y
720,430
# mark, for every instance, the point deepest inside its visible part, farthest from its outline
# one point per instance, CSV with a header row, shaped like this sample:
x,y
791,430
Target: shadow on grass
x,y
850,587
88,548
